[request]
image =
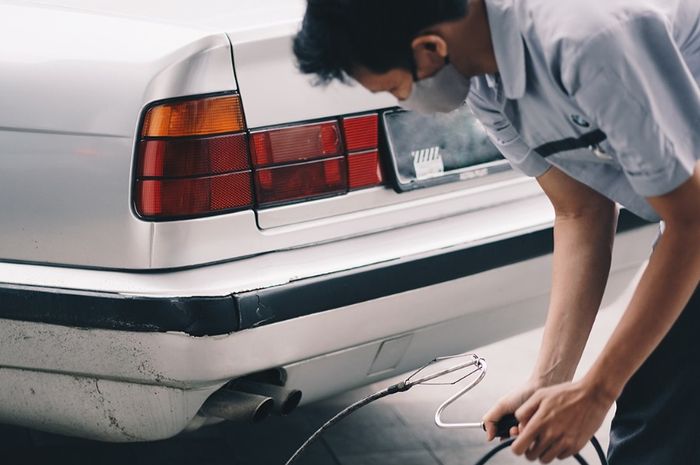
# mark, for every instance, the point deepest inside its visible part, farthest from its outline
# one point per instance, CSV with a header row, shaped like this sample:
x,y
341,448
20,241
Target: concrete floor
x,y
396,430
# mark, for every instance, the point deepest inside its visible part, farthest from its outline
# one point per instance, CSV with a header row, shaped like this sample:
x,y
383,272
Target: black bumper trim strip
x,y
312,296
193,316
202,316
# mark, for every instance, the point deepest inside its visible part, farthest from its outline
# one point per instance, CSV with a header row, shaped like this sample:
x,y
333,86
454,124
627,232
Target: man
x,y
599,100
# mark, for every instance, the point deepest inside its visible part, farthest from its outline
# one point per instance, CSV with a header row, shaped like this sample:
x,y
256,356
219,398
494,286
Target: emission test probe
x,y
474,366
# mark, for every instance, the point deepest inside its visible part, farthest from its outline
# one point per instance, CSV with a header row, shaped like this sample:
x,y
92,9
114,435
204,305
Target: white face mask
x,y
443,93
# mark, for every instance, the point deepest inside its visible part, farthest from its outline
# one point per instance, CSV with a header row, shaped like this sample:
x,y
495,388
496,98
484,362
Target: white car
x,y
181,209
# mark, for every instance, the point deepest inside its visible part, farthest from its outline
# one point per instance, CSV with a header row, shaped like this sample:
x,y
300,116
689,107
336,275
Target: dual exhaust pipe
x,y
244,401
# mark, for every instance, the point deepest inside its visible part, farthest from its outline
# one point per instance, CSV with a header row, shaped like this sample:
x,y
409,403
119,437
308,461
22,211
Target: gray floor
x,y
397,430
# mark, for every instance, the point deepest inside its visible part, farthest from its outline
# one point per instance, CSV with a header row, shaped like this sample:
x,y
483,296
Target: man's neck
x,y
471,43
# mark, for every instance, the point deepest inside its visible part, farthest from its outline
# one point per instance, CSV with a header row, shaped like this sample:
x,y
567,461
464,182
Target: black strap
x,y
587,140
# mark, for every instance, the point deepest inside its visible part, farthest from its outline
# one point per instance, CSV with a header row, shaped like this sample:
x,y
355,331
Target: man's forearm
x,y
665,289
581,265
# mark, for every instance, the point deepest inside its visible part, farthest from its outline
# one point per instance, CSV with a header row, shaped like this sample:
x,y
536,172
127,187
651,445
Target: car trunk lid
x,y
420,158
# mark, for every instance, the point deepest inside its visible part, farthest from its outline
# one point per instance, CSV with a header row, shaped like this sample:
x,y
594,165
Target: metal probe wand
x,y
472,365
503,427
472,361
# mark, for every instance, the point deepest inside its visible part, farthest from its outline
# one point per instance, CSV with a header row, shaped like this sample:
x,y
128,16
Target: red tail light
x,y
361,132
186,168
193,196
364,170
302,181
293,144
292,176
279,154
196,158
362,141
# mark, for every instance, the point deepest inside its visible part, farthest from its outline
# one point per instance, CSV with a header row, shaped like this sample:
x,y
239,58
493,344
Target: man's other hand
x,y
558,421
507,406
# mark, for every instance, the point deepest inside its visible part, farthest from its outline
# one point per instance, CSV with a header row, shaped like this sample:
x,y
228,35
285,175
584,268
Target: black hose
x,y
509,442
506,423
599,450
403,387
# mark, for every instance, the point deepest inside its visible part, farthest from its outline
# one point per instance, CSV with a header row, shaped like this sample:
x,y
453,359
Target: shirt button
x,y
579,121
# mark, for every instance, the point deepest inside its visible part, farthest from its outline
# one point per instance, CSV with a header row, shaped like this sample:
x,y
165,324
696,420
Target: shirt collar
x,y
508,47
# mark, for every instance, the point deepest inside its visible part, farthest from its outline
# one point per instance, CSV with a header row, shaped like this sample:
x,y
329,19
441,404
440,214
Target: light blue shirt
x,y
569,69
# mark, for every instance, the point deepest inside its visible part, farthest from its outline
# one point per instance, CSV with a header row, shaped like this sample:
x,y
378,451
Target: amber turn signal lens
x,y
201,117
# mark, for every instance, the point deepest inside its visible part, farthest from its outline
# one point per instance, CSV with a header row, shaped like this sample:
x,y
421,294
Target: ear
x,y
429,52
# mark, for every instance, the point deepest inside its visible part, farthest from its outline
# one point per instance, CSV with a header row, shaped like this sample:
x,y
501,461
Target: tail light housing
x,y
197,158
193,159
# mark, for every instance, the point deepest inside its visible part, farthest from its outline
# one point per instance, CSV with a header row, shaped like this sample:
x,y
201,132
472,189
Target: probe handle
x,y
504,425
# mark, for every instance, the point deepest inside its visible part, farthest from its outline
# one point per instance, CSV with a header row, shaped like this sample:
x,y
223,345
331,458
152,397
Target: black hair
x,y
339,35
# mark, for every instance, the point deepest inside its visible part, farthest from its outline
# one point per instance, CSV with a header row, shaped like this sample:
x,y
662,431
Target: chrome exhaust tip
x,y
285,400
237,406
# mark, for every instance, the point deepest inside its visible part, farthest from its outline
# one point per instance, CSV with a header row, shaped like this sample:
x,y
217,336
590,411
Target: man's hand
x,y
558,421
506,406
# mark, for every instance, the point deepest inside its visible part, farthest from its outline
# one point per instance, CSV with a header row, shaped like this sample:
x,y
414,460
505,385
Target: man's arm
x,y
584,232
668,284
557,422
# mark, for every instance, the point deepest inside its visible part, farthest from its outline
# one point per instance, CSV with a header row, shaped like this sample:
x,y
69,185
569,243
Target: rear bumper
x,y
219,315
109,366
353,287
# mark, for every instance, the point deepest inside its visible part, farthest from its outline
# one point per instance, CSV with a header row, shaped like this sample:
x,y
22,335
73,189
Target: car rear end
x,y
182,209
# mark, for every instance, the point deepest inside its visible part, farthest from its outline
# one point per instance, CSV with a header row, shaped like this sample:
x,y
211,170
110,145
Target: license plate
x,y
432,150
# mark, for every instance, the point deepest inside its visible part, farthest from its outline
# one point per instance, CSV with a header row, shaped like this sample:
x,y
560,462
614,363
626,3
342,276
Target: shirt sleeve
x,y
506,138
635,84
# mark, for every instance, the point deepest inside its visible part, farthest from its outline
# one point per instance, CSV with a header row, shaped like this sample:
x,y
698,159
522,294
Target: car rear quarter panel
x,y
70,108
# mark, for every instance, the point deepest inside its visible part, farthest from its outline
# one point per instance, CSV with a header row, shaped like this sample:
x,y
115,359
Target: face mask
x,y
443,93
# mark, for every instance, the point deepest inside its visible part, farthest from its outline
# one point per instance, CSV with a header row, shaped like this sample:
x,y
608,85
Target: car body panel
x,y
73,103
98,409
206,241
262,271
207,15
